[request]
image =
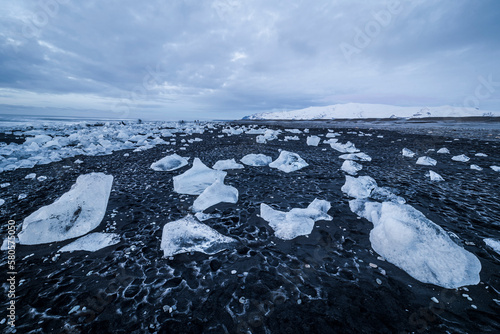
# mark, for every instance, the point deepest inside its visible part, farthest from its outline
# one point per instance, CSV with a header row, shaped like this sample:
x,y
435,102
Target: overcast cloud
x,y
225,59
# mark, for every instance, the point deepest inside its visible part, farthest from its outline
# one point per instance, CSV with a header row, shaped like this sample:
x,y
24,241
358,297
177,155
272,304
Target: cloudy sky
x,y
224,59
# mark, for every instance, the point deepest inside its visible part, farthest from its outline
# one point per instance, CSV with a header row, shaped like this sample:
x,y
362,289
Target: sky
x,y
225,59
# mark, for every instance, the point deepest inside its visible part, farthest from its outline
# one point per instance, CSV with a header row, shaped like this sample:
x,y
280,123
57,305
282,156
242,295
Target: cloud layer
x,y
224,59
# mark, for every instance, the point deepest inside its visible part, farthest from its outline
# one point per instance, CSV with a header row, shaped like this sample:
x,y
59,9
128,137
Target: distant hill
x,y
360,110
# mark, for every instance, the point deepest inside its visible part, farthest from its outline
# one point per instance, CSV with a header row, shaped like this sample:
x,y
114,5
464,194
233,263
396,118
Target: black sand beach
x,y
322,283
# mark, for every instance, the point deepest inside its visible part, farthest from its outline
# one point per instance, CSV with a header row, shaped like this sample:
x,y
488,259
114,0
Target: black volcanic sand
x,y
321,283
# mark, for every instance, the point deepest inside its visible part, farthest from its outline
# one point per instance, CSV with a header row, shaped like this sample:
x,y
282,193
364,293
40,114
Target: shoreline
x,y
465,128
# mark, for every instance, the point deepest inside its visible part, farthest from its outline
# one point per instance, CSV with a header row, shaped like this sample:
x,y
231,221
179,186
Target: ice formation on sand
x,y
481,155
216,193
356,156
288,162
196,179
435,176
227,164
426,161
475,167
296,222
313,140
493,243
169,163
406,238
408,153
443,150
256,160
92,242
360,187
344,148
495,168
461,158
75,213
351,167
189,235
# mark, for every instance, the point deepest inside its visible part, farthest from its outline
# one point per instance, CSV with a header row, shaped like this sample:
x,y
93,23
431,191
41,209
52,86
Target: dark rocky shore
x,y
327,282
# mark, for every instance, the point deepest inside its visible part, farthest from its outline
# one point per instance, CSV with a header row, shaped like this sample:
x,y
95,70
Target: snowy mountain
x,y
359,110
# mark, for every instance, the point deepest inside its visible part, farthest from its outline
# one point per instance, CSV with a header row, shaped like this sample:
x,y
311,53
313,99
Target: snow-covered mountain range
x,y
360,110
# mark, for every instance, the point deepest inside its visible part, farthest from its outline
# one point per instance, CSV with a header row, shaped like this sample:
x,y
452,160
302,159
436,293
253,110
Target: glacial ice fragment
x,y
189,235
360,187
216,193
288,162
344,148
92,242
493,243
406,238
227,164
426,161
256,160
169,163
408,153
443,150
460,158
313,140
75,213
196,179
296,222
351,167
435,176
356,156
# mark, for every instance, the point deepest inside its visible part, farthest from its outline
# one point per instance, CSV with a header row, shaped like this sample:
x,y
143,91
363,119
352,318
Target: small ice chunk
x,y
360,187
481,155
406,238
256,160
41,178
408,153
169,163
205,216
356,156
22,196
75,213
2,202
189,235
426,161
495,168
288,162
493,243
461,158
5,185
30,176
351,167
227,164
313,140
296,222
443,150
78,161
287,138
435,176
92,242
344,148
196,179
218,192
475,167
435,300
